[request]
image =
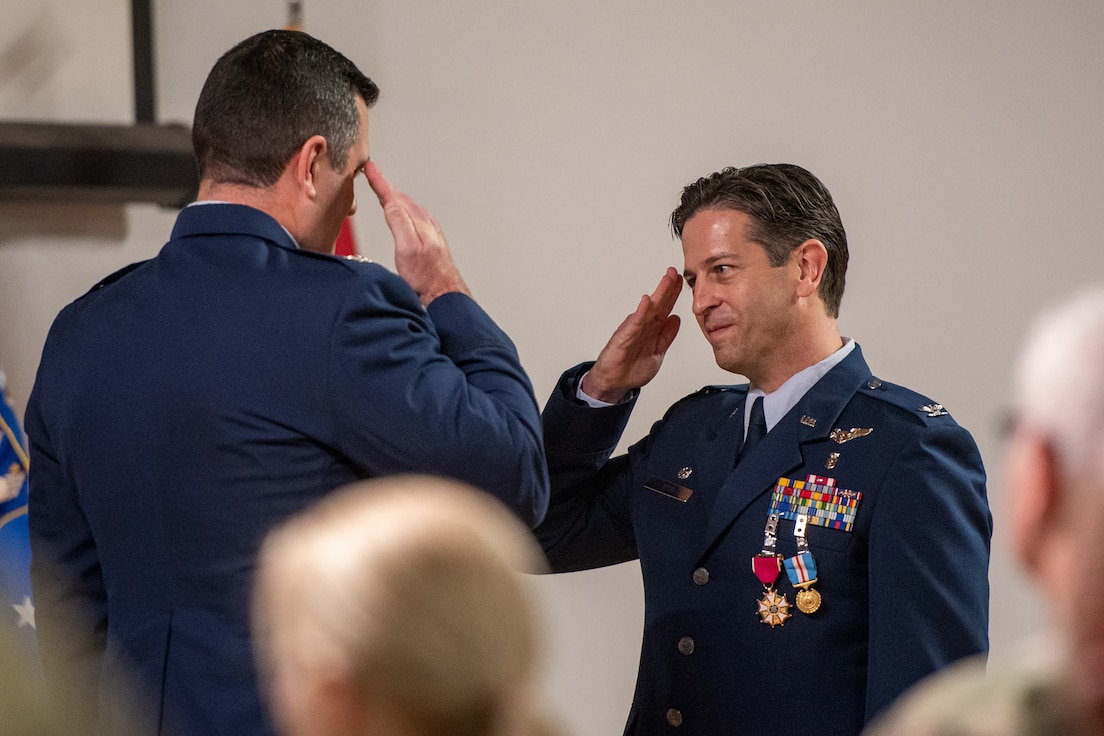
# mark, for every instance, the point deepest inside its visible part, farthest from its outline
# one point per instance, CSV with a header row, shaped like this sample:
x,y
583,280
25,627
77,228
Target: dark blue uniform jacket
x,y
903,593
187,404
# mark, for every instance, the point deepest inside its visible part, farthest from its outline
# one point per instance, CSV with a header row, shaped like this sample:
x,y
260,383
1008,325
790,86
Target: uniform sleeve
x,y
441,392
929,562
66,579
589,522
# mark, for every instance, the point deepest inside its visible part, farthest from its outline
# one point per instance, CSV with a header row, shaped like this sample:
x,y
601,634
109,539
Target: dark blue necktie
x,y
757,428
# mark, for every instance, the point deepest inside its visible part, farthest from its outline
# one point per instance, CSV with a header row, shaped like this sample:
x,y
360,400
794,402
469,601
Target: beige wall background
x,y
962,140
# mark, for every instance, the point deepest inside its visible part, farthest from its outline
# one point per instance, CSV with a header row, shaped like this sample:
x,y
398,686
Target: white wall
x,y
962,141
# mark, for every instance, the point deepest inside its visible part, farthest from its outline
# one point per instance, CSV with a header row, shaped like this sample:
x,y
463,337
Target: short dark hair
x,y
265,97
788,206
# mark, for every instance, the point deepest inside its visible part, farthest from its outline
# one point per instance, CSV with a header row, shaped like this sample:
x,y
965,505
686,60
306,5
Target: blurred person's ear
x,y
1035,498
337,707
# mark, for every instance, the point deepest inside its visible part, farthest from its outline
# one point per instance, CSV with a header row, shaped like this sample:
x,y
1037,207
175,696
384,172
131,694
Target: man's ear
x,y
310,155
1035,496
811,258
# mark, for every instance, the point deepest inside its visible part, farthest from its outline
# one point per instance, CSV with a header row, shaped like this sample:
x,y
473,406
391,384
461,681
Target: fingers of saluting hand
x,y
379,184
657,307
667,292
664,297
648,332
408,220
635,352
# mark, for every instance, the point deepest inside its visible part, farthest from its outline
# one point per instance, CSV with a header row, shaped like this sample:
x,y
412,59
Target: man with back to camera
x,y
190,402
798,580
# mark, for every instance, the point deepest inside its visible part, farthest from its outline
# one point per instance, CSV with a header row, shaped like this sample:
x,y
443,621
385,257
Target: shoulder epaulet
x,y
904,398
111,279
717,389
710,391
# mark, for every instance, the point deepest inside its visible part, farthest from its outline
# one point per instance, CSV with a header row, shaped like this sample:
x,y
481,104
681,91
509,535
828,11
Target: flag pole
x,y
295,15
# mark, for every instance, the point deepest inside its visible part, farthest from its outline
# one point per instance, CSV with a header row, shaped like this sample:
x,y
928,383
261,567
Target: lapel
x,y
782,449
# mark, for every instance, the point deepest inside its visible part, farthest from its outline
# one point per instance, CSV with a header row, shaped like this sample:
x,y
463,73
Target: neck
x,y
273,201
256,197
797,355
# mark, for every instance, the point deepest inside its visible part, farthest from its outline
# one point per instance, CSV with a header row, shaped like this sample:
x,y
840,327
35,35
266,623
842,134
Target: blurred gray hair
x,y
1059,381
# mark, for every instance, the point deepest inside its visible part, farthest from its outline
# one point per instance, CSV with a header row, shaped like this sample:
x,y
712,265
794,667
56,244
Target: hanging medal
x,y
774,609
801,570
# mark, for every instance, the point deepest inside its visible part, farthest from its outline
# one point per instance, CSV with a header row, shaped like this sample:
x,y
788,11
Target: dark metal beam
x,y
145,104
106,164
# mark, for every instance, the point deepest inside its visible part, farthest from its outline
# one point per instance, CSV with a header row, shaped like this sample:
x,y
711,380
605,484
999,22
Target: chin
x,y
729,363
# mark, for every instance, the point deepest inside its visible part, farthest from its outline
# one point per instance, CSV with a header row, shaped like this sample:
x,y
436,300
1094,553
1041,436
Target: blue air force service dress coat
x,y
190,402
890,495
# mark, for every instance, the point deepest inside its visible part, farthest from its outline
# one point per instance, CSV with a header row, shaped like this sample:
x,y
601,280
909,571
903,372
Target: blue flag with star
x,y
16,607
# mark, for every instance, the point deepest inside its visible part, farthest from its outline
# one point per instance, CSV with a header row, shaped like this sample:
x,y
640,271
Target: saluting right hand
x,y
422,255
635,352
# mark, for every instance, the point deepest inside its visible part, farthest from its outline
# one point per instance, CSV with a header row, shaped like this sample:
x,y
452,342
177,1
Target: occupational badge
x,y
839,436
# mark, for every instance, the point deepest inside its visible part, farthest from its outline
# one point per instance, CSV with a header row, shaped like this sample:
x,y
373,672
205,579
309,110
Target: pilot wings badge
x,y
840,436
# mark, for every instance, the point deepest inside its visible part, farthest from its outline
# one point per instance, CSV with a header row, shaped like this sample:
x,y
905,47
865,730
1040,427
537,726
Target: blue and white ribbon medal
x,y
802,571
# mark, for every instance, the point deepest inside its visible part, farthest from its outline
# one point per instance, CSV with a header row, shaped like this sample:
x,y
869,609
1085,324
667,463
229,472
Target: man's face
x,y
746,308
336,194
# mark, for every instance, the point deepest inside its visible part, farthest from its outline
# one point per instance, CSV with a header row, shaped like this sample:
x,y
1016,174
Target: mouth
x,y
712,330
718,336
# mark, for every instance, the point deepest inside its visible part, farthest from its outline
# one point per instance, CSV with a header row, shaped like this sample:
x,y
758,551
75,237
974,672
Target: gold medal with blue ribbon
x,y
802,571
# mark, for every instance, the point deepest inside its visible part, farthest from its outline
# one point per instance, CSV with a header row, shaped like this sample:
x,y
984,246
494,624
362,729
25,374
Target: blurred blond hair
x,y
409,589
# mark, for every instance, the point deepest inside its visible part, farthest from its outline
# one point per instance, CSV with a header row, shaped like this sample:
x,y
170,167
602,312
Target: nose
x,y
704,298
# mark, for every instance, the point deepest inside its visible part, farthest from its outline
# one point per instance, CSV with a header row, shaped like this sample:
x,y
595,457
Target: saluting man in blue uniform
x,y
191,402
812,542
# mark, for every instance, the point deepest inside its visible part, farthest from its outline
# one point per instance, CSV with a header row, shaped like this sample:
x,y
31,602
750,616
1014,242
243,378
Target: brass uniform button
x,y
674,717
701,576
686,645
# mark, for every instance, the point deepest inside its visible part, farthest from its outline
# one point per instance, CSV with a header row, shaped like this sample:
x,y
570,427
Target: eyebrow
x,y
687,273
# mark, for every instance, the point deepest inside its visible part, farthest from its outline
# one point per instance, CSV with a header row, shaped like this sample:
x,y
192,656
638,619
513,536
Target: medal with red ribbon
x,y
774,609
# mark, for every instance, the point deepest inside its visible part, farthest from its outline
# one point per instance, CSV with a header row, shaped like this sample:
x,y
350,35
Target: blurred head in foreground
x,y
398,606
1055,478
1055,481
